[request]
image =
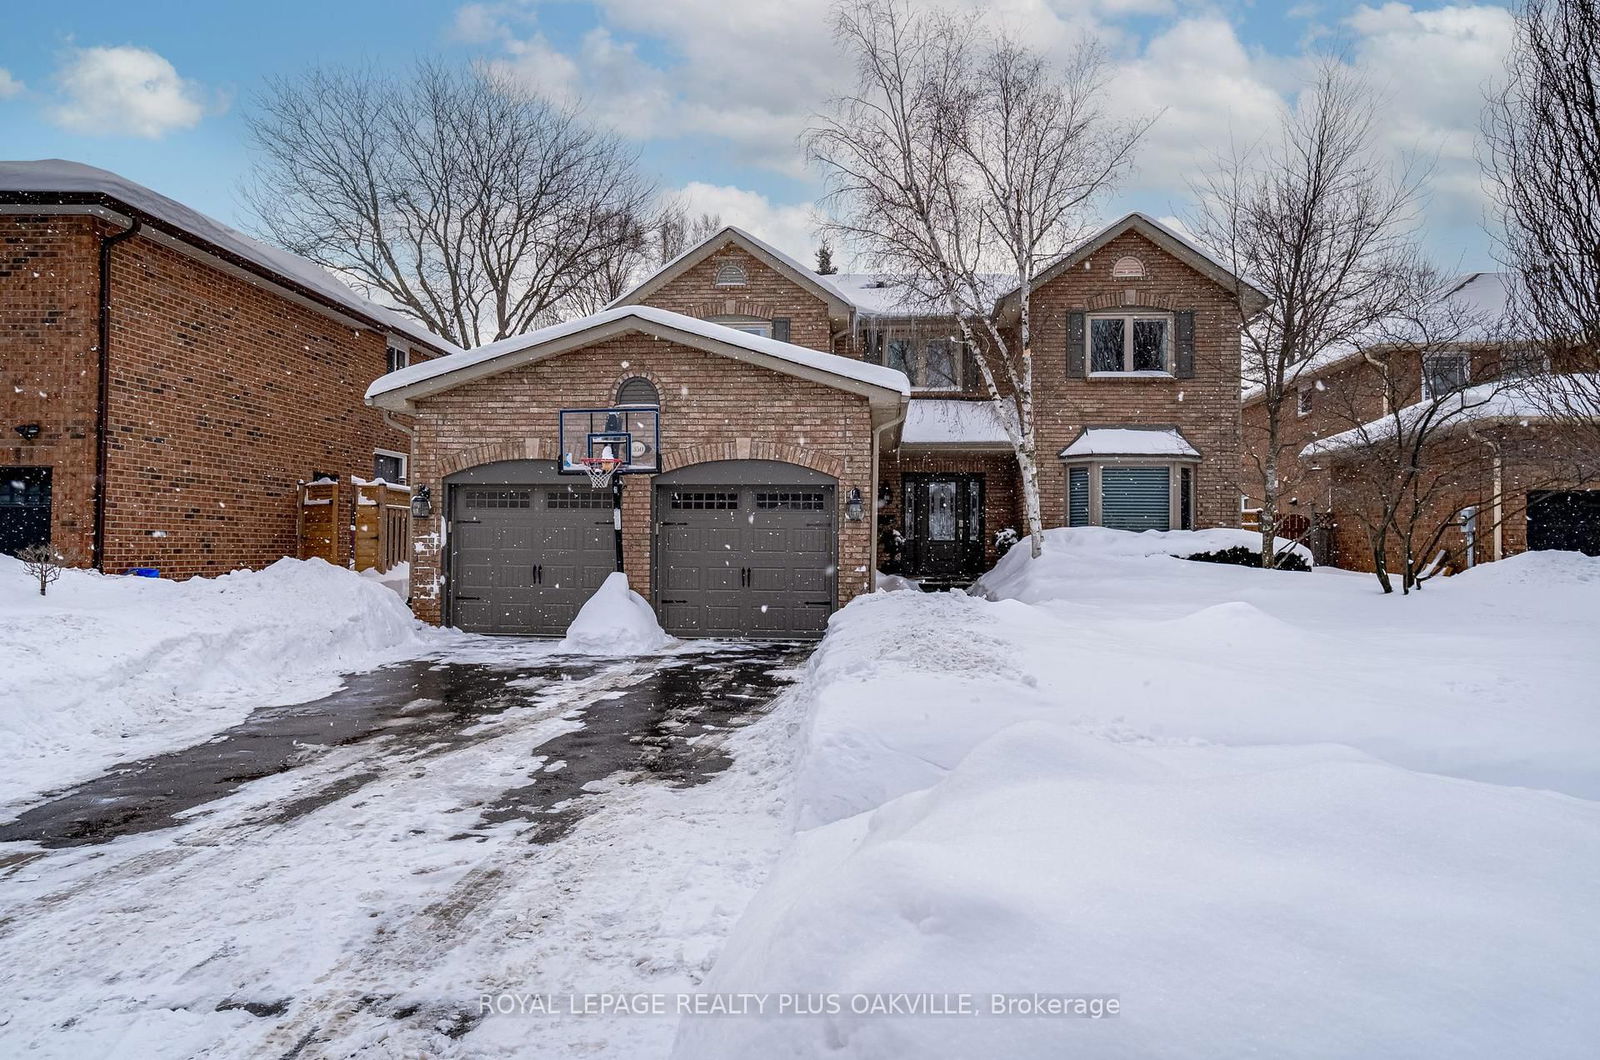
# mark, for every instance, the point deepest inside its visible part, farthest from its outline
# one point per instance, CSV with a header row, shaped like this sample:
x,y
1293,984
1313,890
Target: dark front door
x,y
24,508
944,515
1564,519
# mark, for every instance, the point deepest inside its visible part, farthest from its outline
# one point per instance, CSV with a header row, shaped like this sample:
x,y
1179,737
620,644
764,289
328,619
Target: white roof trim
x,y
762,250
1130,441
397,390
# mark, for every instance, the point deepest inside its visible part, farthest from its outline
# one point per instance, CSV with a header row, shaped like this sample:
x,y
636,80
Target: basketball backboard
x,y
630,432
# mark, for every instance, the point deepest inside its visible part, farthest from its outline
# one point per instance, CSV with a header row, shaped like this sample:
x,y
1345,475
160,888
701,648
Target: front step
x,y
941,583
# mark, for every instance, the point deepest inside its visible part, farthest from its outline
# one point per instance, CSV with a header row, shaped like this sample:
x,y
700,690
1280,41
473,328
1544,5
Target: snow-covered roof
x,y
1513,401
60,180
1481,298
759,247
1129,441
442,373
879,295
952,422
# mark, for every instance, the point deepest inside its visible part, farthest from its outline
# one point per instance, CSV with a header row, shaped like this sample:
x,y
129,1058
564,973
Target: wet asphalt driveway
x,y
652,721
349,876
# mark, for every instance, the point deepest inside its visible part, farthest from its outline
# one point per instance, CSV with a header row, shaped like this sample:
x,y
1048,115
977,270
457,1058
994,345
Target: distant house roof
x,y
56,181
396,391
1129,441
1482,297
935,422
1520,401
1161,236
838,304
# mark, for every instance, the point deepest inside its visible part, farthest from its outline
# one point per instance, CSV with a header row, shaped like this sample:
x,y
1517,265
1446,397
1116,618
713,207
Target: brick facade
x,y
713,408
1204,408
224,396
767,293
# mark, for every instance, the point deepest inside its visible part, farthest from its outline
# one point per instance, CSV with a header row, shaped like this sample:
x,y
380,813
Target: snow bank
x,y
894,583
1292,905
1272,813
615,621
1071,552
108,668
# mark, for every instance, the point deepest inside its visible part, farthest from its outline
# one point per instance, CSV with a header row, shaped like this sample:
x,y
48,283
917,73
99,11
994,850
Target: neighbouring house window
x,y
398,358
748,325
1129,343
389,466
1131,496
930,363
1305,401
1129,268
731,274
638,391
1443,373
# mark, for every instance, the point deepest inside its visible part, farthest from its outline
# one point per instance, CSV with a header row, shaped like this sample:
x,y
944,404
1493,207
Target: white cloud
x,y
790,228
9,86
127,90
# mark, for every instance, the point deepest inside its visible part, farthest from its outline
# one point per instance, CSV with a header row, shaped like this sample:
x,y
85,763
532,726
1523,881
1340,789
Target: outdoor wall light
x,y
29,431
421,502
852,505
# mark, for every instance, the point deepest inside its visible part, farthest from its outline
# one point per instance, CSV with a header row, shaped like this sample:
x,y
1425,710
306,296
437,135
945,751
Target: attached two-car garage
x,y
741,548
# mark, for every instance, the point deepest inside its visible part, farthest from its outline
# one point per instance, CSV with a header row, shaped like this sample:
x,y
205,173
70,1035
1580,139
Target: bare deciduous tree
x,y
42,563
1406,454
1542,130
963,154
1314,218
458,197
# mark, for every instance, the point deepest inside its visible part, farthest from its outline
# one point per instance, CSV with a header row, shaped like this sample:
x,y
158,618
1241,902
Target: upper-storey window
x,y
398,357
1443,373
1305,400
731,274
1130,342
930,362
749,325
1128,268
638,391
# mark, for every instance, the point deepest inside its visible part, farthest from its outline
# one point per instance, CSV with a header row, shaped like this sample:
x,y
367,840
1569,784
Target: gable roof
x,y
884,387
838,304
56,181
1161,236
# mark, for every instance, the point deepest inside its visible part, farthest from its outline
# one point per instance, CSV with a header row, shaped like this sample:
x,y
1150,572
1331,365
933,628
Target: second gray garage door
x,y
745,548
527,548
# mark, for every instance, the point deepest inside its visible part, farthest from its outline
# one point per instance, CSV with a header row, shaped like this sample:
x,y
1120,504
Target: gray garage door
x,y
527,548
745,548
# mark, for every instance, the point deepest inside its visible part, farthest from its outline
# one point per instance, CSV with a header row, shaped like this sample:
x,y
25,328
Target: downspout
x,y
1497,500
877,460
102,416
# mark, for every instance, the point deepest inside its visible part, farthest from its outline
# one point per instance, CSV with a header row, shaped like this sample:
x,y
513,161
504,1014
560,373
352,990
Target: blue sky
x,y
713,94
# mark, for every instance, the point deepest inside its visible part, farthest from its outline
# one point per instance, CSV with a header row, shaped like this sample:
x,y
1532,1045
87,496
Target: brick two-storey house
x,y
793,406
167,382
1510,477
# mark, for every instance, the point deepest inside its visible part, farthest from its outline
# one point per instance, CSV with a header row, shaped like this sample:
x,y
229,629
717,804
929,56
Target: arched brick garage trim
x,y
751,449
496,452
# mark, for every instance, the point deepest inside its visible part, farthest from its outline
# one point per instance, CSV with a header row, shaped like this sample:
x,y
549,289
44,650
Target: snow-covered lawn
x,y
108,668
1271,813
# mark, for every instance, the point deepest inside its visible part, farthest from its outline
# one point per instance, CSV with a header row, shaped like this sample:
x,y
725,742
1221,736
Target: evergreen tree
x,y
825,265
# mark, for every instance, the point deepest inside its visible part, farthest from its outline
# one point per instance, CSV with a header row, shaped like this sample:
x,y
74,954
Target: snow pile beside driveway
x,y
1272,813
107,668
615,621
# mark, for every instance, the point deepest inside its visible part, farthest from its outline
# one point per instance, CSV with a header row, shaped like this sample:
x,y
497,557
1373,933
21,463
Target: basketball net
x,y
601,468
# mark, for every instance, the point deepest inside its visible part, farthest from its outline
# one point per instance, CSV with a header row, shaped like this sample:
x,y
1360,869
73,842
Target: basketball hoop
x,y
600,469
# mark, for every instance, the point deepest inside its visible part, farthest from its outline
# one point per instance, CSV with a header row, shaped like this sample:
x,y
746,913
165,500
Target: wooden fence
x,y
378,537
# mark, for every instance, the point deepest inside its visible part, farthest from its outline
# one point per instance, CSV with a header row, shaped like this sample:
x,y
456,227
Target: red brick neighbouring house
x,y
1137,385
167,382
1499,473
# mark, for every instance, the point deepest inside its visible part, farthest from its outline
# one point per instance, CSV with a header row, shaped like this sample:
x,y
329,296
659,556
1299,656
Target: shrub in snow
x,y
615,621
1245,556
43,564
